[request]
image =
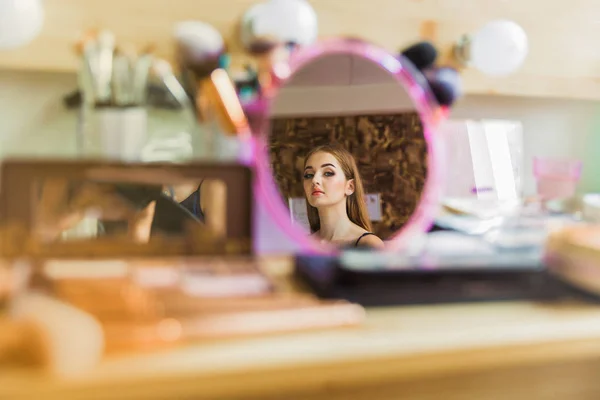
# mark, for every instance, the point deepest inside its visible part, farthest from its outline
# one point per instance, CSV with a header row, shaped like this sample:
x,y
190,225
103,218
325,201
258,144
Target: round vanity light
x,y
20,22
497,49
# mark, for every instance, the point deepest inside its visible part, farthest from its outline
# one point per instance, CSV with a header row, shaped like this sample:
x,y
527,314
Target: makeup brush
x,y
141,72
199,47
121,79
225,104
445,83
266,62
48,333
106,47
220,101
162,69
422,54
86,48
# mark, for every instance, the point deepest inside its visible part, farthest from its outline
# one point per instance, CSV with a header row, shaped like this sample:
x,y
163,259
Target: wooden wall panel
x,y
390,152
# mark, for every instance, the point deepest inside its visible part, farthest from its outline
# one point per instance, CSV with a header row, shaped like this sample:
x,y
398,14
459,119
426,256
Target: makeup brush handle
x,y
121,81
88,72
177,90
164,71
140,78
106,46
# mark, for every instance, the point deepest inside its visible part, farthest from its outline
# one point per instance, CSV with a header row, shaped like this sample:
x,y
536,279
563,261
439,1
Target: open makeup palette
x,y
111,209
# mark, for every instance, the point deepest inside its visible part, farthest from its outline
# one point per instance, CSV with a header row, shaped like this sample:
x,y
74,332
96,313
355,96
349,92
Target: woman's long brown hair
x,y
356,206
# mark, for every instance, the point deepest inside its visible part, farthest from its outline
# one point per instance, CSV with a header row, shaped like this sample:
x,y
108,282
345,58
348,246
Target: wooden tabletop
x,y
468,351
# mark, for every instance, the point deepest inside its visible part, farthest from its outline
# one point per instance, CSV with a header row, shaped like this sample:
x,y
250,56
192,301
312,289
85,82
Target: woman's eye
x,y
329,173
308,176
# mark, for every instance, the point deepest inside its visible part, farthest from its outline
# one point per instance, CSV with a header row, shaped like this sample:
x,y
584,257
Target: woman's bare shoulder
x,y
371,241
357,230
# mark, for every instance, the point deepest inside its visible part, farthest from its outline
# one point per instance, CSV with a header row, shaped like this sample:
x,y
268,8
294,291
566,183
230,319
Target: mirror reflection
x,y
76,209
347,151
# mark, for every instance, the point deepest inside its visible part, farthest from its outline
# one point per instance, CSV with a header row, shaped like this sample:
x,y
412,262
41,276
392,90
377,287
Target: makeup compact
x,y
83,209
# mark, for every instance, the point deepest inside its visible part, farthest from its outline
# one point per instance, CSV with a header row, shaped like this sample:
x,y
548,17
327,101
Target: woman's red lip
x,y
317,192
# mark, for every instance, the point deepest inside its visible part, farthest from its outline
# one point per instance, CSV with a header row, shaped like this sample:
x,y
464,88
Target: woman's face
x,y
324,181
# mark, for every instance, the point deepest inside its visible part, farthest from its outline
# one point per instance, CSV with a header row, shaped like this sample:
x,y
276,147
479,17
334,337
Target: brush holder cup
x,y
114,133
146,134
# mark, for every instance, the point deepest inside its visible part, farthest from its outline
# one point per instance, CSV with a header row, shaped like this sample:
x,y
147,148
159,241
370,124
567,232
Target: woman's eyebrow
x,y
308,167
327,164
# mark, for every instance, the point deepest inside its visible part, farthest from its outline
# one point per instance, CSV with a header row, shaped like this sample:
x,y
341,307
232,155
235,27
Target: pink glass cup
x,y
556,178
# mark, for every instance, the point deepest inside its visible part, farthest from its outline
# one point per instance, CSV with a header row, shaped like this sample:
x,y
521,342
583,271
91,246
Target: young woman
x,y
337,211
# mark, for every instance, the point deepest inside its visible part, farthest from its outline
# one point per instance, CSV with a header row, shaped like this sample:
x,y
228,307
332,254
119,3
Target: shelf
x,y
564,59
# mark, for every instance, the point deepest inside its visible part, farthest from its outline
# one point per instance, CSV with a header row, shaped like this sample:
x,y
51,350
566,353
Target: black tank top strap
x,y
192,203
362,236
197,204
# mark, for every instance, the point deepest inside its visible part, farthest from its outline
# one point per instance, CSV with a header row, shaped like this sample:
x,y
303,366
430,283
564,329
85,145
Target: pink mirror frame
x,y
427,107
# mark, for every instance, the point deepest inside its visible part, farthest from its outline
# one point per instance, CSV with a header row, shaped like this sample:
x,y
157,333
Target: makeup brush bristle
x,y
89,36
149,49
199,46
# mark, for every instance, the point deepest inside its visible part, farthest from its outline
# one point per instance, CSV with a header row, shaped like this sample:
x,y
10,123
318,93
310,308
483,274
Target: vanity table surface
x,y
509,350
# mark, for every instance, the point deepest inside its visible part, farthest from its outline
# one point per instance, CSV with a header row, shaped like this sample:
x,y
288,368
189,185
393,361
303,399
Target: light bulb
x,y
20,22
287,21
497,49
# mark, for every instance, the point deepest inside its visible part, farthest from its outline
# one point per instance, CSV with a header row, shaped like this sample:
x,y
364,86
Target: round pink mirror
x,y
347,151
